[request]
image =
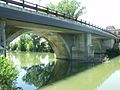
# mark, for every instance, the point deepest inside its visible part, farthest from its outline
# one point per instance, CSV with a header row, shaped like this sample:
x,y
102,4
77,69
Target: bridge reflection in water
x,y
37,69
104,76
36,72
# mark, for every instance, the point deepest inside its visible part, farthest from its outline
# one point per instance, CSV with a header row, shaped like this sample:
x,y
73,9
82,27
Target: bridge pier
x,y
89,47
2,38
80,46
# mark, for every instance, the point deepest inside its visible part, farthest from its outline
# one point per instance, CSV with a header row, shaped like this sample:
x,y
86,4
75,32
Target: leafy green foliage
x,y
8,74
22,43
31,42
113,52
72,8
30,45
13,46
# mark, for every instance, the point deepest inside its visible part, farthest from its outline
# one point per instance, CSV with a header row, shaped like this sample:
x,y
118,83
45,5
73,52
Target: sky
x,y
100,12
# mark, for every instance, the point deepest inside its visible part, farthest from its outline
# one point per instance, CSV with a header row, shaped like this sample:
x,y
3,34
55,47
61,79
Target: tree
x,y
31,42
14,46
22,43
30,45
72,8
8,74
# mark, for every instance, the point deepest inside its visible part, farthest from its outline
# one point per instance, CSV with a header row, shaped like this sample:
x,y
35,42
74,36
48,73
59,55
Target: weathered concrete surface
x,y
3,37
25,15
69,40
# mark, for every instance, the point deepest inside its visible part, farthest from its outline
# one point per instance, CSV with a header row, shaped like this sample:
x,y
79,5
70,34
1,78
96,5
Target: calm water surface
x,y
34,68
42,69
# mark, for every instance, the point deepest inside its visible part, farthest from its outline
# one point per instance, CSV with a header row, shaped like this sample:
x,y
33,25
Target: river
x,y
42,71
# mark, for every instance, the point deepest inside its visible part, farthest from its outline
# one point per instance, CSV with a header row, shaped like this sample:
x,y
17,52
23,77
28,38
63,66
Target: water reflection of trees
x,y
38,75
33,58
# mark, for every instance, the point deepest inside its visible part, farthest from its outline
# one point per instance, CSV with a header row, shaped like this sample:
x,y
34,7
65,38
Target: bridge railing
x,y
46,10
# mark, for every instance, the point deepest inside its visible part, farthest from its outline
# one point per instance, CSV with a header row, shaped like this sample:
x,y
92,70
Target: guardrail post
x,y
81,21
47,10
23,3
36,7
85,22
64,16
69,17
75,19
56,13
89,24
6,1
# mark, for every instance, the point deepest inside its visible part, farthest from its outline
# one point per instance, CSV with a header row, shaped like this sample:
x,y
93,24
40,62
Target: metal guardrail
x,y
38,8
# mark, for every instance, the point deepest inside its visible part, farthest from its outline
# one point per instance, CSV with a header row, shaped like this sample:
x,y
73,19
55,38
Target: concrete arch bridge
x,y
70,38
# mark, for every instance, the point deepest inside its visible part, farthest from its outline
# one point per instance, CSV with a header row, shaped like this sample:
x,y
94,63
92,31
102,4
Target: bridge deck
x,y
16,11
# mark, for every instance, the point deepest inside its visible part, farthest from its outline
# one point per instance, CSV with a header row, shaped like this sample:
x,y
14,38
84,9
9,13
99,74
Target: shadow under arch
x,y
55,40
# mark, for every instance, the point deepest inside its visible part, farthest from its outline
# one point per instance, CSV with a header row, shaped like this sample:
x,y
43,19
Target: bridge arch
x,y
55,40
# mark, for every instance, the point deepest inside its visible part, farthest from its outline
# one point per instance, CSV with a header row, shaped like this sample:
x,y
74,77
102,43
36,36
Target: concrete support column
x,y
106,44
109,43
78,47
82,48
3,38
89,47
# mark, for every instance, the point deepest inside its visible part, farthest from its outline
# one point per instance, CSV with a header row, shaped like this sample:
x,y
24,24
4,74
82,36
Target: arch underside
x,y
55,40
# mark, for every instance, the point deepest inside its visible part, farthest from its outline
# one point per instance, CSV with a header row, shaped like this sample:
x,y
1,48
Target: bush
x,y
14,47
8,74
113,52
